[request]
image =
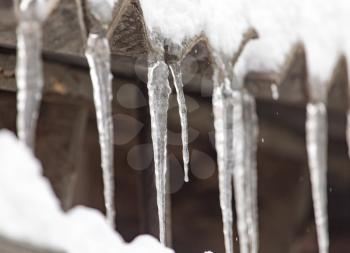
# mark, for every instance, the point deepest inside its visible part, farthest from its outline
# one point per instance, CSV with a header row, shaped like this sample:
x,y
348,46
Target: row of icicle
x,y
30,85
235,123
236,129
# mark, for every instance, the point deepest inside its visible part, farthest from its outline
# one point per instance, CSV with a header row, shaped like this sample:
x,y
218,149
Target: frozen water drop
x,y
175,69
316,138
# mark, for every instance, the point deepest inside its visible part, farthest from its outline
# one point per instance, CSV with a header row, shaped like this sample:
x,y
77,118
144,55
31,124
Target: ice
x,y
276,24
30,212
98,56
31,15
29,79
146,244
316,138
175,70
102,10
159,92
280,24
181,20
348,131
275,92
245,133
223,123
236,130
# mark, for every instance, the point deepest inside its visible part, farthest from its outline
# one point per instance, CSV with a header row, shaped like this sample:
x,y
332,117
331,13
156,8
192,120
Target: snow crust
x,y
321,25
343,29
317,24
30,212
43,7
223,21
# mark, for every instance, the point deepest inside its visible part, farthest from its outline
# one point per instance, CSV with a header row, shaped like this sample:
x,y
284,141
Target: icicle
x,y
177,77
275,92
240,170
159,92
29,73
316,138
251,128
98,56
223,111
236,133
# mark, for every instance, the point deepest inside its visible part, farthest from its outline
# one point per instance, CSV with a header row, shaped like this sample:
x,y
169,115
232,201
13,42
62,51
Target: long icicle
x,y
159,92
98,56
29,73
222,109
251,128
240,171
316,138
175,70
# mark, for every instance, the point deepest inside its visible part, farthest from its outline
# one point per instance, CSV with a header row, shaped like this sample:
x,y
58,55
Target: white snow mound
x,y
30,212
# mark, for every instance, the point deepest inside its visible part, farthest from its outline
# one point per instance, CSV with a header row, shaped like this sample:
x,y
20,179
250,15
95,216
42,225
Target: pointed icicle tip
x,y
175,70
186,178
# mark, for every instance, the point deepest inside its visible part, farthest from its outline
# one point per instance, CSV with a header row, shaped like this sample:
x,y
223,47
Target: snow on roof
x,y
274,24
320,35
319,24
30,212
283,23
